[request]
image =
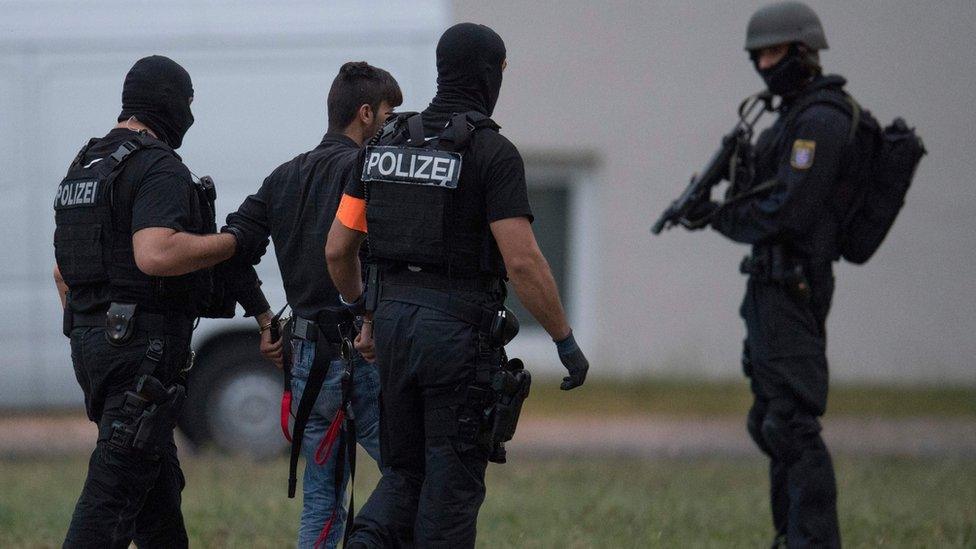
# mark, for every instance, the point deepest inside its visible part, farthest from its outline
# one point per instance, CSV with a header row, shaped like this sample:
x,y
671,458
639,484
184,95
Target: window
x,y
550,195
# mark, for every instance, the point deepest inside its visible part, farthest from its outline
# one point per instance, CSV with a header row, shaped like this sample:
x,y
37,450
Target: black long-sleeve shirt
x,y
295,206
806,154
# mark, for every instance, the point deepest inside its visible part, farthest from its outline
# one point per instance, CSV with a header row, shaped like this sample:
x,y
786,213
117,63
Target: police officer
x,y
133,270
789,212
296,206
444,234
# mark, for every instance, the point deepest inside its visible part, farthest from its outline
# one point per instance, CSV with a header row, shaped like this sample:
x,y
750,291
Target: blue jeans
x,y
318,484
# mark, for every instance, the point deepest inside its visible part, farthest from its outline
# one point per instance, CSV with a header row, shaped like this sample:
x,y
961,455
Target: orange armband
x,y
352,213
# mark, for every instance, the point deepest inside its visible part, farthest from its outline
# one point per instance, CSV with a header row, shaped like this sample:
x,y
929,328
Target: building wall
x,y
647,89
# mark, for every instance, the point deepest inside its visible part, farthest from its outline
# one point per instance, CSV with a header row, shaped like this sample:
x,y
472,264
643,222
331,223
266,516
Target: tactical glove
x,y
572,358
251,245
700,215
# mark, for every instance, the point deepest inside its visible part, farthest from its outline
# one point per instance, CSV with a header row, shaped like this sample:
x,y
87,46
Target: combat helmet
x,y
785,22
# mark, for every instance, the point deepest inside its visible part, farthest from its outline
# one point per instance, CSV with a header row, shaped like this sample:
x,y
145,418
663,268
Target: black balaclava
x,y
157,91
469,69
790,75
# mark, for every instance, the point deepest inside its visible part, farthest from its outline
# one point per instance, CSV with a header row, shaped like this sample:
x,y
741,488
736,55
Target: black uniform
x,y
428,352
441,279
793,229
129,494
296,206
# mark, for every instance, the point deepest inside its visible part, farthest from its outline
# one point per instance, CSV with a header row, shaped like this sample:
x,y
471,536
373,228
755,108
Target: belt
x,y
303,328
465,311
155,323
439,281
331,324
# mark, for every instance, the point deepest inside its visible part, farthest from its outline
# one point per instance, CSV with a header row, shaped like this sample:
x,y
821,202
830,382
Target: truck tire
x,y
233,397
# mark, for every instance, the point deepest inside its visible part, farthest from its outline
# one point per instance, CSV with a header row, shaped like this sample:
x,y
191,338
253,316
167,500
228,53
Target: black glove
x,y
700,215
572,358
251,245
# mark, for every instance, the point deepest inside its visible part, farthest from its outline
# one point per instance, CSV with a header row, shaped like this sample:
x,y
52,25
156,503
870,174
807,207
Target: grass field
x,y
547,503
704,398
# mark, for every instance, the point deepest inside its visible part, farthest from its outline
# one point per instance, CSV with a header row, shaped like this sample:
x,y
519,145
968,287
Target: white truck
x,y
261,72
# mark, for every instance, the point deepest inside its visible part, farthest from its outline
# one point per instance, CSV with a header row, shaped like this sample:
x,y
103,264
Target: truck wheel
x,y
233,398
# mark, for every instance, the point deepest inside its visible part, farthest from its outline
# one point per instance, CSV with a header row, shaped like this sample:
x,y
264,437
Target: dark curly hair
x,y
359,83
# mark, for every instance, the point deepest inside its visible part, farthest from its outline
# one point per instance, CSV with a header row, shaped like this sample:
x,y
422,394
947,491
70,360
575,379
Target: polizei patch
x,y
75,193
412,166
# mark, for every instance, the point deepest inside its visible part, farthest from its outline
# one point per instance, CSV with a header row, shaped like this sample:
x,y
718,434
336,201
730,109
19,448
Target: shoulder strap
x,y
415,131
114,161
838,99
80,157
461,127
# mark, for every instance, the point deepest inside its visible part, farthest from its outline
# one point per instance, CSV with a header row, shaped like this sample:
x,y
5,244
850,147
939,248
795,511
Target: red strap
x,y
328,441
327,528
285,413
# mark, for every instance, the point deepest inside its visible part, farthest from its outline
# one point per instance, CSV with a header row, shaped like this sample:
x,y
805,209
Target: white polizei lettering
x,y
75,194
399,172
89,192
374,159
425,161
413,162
439,170
383,158
65,195
450,170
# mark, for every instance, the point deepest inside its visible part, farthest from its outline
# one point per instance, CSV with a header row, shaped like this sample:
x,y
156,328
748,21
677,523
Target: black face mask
x,y
789,76
469,69
157,91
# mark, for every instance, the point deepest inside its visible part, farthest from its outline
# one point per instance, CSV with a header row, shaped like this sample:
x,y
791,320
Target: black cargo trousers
x,y
129,495
785,360
433,483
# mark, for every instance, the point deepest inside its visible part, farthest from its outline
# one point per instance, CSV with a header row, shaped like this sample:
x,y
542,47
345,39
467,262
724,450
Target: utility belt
x,y
334,326
149,411
175,324
487,408
774,264
436,278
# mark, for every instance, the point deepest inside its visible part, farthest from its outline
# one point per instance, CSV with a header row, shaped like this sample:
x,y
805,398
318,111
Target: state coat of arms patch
x,y
802,156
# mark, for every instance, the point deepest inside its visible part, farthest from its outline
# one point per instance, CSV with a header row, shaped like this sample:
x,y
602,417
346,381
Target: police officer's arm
x,y
345,236
532,279
162,251
530,274
62,287
342,250
806,176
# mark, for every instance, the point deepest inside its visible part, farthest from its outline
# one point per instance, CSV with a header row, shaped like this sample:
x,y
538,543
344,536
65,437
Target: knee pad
x,y
778,433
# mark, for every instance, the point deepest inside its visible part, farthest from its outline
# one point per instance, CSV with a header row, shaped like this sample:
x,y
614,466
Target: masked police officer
x,y
789,212
296,206
133,270
444,234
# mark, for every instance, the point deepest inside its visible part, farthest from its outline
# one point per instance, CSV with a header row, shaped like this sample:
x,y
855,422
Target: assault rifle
x,y
722,164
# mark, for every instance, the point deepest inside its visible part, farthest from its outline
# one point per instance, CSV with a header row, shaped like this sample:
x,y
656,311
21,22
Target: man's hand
x,y
364,341
572,358
270,350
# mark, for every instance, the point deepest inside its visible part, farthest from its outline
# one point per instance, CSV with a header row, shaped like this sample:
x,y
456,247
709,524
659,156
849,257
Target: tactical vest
x,y
93,239
411,187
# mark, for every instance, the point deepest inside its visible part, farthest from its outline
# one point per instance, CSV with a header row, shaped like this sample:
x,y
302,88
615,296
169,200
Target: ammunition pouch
x,y
773,264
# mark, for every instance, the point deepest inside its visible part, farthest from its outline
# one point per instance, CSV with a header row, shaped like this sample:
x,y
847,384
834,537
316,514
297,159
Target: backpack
x,y
870,199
